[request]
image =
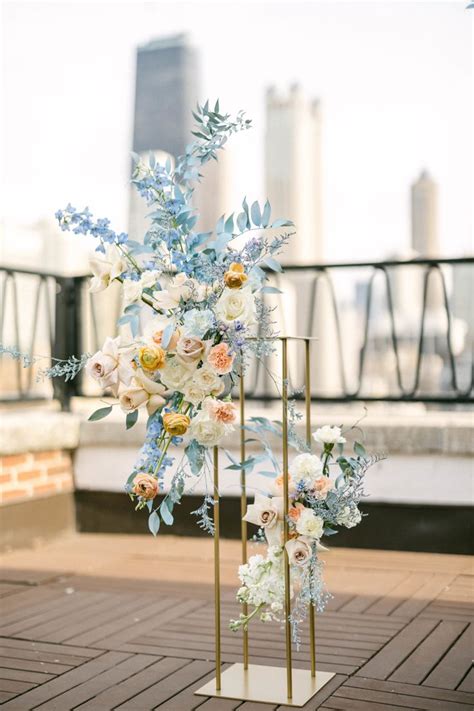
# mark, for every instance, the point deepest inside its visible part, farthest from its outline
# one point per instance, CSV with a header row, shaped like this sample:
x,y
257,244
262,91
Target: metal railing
x,y
392,331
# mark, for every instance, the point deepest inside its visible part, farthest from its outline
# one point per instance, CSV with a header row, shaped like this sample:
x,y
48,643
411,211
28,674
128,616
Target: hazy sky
x,y
395,80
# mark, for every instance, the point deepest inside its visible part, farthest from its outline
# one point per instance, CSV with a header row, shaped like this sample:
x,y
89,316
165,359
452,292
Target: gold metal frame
x,y
254,682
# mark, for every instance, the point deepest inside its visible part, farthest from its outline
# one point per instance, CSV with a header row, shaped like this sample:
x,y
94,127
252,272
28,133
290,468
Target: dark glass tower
x,y
167,88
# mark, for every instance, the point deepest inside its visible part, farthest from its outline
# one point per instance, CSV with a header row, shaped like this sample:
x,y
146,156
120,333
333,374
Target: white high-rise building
x,y
424,216
293,175
293,169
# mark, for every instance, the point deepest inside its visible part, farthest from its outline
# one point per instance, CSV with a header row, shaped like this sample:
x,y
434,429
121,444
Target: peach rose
x,y
175,423
190,348
321,487
235,277
151,358
295,512
299,550
224,412
220,358
145,485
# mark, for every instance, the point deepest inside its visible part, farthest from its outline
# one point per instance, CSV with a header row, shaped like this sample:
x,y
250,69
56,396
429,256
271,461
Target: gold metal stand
x,y
254,682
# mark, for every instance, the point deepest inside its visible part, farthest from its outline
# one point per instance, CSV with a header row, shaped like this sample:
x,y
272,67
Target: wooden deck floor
x,y
96,623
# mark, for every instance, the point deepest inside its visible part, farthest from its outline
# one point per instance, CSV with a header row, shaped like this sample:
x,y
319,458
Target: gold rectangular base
x,y
266,684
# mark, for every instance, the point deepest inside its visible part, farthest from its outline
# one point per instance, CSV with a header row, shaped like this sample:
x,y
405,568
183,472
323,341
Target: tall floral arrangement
x,y
193,306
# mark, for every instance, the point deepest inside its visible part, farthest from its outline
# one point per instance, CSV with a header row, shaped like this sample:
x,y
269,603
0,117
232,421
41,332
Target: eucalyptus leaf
x,y
131,419
166,514
154,522
256,216
100,414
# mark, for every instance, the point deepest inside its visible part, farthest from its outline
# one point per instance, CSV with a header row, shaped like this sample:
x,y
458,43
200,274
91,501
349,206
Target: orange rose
x,y
295,512
175,423
278,485
235,277
145,485
220,358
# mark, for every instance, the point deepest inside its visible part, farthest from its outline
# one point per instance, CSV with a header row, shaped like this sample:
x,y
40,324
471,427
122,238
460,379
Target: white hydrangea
x,y
263,581
349,516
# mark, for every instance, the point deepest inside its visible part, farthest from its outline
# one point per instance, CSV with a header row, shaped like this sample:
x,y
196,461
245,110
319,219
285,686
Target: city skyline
x,y
366,174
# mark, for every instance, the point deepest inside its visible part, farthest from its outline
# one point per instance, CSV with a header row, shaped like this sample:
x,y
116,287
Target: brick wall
x,y
35,475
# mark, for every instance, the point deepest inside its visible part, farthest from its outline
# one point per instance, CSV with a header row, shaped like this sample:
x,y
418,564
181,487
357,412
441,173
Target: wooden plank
x,y
51,612
38,655
31,665
13,643
91,687
405,589
425,657
15,687
186,698
398,649
5,696
353,705
467,684
21,675
410,689
422,597
252,706
452,668
411,702
214,704
153,616
167,688
129,688
60,684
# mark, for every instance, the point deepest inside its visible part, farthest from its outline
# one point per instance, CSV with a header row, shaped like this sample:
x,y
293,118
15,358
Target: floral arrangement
x,y
320,501
193,306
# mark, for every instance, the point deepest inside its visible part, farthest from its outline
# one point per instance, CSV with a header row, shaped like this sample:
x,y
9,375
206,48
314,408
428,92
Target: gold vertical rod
x,y
217,582
284,389
312,638
243,506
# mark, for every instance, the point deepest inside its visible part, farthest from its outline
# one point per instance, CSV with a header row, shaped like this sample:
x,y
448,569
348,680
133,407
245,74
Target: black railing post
x,y
67,336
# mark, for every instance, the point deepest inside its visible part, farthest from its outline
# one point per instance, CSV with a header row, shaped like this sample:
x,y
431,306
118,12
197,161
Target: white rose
x,y
299,550
194,393
306,467
142,391
329,435
176,374
106,268
308,524
207,379
349,517
110,366
236,305
206,431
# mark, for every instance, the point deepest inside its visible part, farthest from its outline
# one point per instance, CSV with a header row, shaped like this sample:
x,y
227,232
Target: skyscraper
x,y
424,216
293,169
166,91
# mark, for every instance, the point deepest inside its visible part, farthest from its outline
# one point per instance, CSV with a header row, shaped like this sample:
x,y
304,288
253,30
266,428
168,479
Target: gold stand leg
x,y
312,635
243,506
284,390
217,582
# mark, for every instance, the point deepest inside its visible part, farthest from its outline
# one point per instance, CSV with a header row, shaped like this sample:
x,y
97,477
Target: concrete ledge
x,y
29,431
31,523
448,433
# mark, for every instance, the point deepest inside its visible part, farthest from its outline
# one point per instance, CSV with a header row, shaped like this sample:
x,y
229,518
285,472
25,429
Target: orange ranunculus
x,y
175,423
235,277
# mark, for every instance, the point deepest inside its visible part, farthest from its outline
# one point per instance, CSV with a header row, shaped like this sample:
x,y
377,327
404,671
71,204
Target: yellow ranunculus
x,y
175,423
151,357
236,276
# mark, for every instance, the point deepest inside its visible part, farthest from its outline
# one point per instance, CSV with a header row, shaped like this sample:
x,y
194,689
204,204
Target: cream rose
x,y
110,366
143,391
191,348
176,373
207,379
264,512
236,305
206,431
309,524
299,550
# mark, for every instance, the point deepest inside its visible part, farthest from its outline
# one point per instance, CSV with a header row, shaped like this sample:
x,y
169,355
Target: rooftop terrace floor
x,y
126,622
